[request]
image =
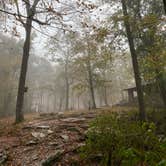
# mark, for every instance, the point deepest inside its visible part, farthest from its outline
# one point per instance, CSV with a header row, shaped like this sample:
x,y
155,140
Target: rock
x,y
3,158
50,132
38,135
65,137
42,127
53,143
30,148
31,143
52,159
60,113
80,145
73,119
35,157
36,126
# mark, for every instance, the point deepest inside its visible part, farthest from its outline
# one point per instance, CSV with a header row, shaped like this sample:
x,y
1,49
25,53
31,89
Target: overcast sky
x,y
74,20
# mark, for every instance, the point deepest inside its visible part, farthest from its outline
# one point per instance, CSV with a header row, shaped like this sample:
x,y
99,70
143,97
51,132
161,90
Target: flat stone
x,y
65,137
29,148
73,119
42,127
50,132
53,143
31,143
38,135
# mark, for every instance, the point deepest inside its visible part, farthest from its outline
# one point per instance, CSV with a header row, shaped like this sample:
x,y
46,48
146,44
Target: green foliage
x,y
162,163
157,116
123,143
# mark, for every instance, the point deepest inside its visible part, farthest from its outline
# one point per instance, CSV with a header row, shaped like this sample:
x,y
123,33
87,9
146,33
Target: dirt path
x,y
45,138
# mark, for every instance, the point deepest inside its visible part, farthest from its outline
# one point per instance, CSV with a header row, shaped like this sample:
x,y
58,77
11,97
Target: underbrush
x,y
116,140
157,116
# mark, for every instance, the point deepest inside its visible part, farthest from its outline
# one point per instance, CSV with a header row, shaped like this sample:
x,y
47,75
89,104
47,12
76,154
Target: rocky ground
x,y
45,139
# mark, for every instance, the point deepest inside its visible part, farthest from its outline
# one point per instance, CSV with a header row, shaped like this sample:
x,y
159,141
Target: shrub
x,y
119,142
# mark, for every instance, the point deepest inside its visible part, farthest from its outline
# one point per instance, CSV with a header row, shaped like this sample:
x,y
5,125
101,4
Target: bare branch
x,y
18,16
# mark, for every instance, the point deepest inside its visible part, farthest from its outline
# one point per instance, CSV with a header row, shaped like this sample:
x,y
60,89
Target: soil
x,y
45,139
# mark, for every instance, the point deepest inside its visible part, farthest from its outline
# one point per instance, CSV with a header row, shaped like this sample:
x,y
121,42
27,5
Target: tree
x,y
61,53
164,2
134,61
27,24
32,11
149,41
40,94
90,75
86,48
10,54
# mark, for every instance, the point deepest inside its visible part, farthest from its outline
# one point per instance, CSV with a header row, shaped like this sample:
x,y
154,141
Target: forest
x,y
83,83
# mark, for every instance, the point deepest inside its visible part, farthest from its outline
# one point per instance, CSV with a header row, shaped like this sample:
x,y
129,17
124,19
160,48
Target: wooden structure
x,y
151,94
130,92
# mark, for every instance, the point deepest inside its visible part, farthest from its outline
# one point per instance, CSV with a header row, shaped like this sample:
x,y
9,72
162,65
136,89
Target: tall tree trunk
x,y
159,77
105,96
105,89
41,101
134,62
23,72
78,99
161,81
101,96
67,84
164,2
162,87
72,100
90,78
60,103
55,102
91,88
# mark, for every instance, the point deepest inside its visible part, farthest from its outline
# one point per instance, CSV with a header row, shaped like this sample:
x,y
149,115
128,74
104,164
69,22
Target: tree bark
x,y
41,101
91,86
134,62
162,87
159,77
78,99
105,96
23,72
164,2
31,10
90,78
55,102
67,84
